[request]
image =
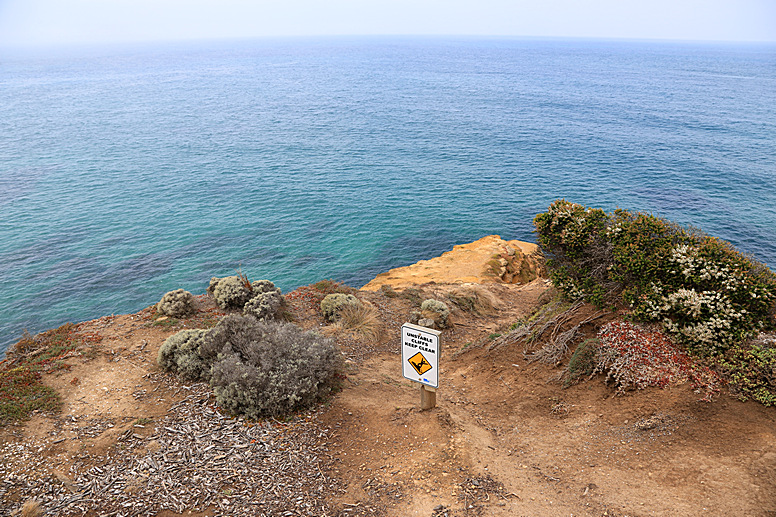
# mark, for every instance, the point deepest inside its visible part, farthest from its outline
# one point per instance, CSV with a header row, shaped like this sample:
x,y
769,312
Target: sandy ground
x,y
504,440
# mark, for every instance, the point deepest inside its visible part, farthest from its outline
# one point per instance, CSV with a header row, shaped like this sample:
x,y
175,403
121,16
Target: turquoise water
x,y
128,172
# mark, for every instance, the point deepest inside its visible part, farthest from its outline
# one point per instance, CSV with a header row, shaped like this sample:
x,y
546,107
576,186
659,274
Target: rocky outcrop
x,y
487,260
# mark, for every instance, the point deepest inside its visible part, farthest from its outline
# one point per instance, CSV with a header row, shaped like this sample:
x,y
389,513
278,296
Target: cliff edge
x,y
490,259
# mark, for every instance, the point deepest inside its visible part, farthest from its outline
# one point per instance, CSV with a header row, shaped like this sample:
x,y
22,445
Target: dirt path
x,y
503,441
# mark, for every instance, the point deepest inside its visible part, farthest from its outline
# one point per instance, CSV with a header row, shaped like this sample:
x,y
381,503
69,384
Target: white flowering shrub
x,y
710,297
705,293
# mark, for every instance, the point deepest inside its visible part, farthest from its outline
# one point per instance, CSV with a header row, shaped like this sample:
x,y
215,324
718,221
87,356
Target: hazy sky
x,y
45,22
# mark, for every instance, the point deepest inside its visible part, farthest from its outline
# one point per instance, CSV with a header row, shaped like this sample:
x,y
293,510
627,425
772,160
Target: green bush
x,y
180,354
751,369
582,362
700,289
177,304
574,242
332,304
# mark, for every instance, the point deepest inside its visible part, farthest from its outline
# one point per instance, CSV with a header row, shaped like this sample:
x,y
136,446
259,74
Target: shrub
x,y
180,354
435,310
230,292
178,303
231,333
699,288
582,362
708,297
332,304
751,369
574,242
264,306
269,369
635,357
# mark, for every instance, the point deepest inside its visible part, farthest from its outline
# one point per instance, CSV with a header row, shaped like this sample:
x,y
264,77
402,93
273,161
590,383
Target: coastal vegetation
x,y
710,299
177,304
260,299
333,304
22,390
255,368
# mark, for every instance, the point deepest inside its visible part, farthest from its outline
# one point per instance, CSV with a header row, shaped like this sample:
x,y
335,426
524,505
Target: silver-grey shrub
x,y
229,292
264,306
178,303
265,302
269,369
435,310
333,303
180,354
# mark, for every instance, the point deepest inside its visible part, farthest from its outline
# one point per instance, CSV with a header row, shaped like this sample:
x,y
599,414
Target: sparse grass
x,y
494,336
516,325
493,266
21,387
165,323
361,318
415,296
388,291
142,421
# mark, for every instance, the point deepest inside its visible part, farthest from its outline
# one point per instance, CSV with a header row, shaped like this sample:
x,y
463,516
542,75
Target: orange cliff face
x,y
487,260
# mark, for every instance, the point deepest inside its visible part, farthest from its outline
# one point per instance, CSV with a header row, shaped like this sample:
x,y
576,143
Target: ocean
x,y
126,172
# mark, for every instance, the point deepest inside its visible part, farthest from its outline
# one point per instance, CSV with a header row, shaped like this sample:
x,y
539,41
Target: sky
x,y
35,23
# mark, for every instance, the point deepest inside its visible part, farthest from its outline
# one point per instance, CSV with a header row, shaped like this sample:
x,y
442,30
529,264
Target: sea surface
x,y
126,172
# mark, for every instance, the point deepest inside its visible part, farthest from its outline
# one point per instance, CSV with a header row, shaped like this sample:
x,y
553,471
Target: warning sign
x,y
419,363
420,354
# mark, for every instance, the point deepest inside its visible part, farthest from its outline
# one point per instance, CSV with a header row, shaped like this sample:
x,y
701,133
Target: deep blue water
x,y
128,172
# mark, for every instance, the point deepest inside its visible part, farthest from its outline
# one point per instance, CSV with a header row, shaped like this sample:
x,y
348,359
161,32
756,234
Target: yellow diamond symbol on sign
x,y
419,363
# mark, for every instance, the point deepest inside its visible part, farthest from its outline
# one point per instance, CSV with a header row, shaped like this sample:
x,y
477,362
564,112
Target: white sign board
x,y
420,354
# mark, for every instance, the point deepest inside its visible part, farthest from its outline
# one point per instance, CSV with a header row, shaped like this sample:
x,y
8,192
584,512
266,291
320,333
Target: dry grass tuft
x,y
30,508
361,318
474,299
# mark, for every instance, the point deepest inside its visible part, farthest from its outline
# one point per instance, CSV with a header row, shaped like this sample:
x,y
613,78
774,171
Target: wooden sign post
x,y
427,397
420,360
